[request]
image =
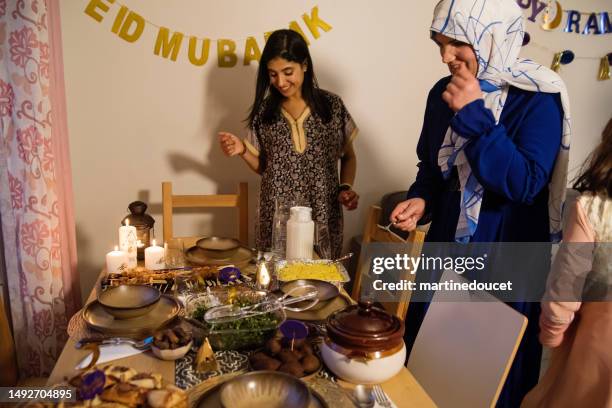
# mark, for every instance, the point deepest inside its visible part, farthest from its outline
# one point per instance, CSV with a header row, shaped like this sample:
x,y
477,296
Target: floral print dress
x,y
299,161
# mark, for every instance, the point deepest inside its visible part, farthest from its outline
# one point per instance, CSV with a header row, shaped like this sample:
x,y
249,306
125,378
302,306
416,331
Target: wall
x,y
136,119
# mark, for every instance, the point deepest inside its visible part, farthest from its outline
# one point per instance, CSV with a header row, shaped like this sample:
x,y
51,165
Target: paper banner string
x,y
562,58
604,67
310,20
567,57
552,15
169,44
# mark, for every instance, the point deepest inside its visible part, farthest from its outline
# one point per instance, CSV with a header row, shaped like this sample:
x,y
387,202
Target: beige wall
x,y
136,119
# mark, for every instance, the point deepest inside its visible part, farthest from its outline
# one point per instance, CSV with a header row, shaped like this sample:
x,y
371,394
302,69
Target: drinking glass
x,y
279,227
175,253
322,240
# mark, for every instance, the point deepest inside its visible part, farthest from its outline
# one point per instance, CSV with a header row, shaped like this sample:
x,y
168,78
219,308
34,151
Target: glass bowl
x,y
241,333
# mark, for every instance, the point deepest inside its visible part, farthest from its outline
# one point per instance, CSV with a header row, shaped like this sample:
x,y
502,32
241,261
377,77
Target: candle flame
x,y
127,222
153,243
263,277
116,248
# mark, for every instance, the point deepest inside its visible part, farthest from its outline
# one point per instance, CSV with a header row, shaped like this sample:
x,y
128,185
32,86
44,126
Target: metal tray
x,y
343,272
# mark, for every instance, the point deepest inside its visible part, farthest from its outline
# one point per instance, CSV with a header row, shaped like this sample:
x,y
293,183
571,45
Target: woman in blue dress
x,y
493,153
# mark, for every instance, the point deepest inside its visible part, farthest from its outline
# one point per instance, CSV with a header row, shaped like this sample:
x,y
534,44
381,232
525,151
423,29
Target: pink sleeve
x,y
556,316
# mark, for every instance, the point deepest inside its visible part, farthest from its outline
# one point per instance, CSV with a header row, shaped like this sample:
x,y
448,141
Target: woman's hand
x,y
407,213
349,199
231,144
462,89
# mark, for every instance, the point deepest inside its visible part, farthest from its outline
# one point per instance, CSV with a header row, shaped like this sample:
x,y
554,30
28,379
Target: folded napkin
x,y
109,353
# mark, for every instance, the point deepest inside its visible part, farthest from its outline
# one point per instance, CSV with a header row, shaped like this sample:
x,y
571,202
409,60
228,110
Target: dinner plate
x,y
240,259
166,309
321,310
212,399
325,290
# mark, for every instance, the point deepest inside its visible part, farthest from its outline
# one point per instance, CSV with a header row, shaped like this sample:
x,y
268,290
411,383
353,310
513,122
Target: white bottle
x,y
300,233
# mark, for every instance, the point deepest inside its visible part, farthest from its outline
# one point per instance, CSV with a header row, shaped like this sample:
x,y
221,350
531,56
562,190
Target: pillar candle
x,y
116,261
154,257
128,243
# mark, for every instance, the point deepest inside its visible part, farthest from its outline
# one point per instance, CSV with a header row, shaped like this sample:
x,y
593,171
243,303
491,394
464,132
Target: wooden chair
x,y
239,201
373,232
8,374
465,347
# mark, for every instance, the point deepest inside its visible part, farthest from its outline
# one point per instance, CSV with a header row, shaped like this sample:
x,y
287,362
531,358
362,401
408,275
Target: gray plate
x,y
218,247
197,256
321,310
326,291
128,301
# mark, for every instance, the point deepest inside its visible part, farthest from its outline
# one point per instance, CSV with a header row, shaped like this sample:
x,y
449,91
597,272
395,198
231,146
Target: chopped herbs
x,y
247,332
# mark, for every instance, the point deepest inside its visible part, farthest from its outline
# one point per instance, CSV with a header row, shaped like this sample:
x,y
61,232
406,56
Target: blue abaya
x,y
513,161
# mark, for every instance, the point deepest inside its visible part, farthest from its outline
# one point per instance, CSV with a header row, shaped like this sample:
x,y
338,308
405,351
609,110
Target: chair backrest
x,y
465,347
8,373
373,232
240,201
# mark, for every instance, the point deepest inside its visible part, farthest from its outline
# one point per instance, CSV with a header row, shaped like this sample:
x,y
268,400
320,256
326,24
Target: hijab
x,y
494,28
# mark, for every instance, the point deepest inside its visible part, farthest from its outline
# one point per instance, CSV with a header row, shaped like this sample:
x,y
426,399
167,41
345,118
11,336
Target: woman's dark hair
x,y
596,173
289,45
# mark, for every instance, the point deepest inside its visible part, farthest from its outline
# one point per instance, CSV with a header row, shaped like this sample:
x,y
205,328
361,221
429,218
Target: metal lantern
x,y
143,223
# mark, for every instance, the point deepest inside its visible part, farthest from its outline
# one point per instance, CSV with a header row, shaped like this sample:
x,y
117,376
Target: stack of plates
x,y
241,258
166,309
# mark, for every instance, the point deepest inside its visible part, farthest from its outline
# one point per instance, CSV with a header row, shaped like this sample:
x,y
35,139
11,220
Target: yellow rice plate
x,y
321,271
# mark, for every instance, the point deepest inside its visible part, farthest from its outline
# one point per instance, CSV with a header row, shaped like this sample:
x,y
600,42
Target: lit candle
x,y
154,257
263,276
116,261
127,243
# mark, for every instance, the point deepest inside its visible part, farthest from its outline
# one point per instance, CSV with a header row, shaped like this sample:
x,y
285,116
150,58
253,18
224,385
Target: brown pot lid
x,y
364,327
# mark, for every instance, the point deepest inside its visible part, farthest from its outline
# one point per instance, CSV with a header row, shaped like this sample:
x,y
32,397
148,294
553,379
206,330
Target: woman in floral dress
x,y
297,134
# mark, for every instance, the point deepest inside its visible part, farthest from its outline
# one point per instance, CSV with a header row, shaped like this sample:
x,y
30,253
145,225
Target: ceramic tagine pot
x,y
364,344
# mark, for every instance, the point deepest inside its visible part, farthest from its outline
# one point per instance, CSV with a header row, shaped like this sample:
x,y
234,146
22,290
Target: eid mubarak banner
x,y
575,21
172,44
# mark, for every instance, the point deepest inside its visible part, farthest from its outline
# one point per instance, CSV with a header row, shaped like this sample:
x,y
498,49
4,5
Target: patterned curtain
x,y
36,206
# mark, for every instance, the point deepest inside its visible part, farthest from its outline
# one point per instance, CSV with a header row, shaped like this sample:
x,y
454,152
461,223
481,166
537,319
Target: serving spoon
x,y
362,396
342,258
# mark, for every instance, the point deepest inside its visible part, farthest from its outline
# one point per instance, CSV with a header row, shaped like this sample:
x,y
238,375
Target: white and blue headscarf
x,y
494,28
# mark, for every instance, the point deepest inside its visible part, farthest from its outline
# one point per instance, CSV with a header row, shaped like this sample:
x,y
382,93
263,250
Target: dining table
x,y
403,389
